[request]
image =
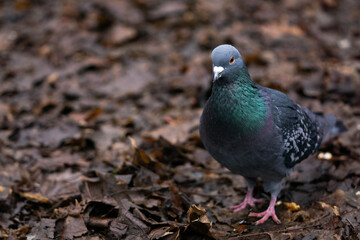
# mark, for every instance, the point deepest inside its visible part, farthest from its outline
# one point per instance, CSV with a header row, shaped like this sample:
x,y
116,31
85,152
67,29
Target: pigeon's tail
x,y
338,128
329,125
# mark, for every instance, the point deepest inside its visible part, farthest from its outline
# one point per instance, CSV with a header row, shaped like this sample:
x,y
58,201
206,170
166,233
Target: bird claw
x,y
266,217
249,200
270,212
238,208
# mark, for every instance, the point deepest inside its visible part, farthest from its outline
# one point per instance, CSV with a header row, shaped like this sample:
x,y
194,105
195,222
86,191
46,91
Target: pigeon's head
x,y
226,59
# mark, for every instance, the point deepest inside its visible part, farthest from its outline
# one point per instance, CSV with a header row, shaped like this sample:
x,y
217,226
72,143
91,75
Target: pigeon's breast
x,y
248,155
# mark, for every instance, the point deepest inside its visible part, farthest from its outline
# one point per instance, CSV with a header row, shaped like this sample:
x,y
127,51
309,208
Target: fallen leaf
x,y
292,206
94,113
241,227
45,229
160,232
278,29
74,227
333,209
5,192
37,197
143,159
198,221
117,229
120,34
325,156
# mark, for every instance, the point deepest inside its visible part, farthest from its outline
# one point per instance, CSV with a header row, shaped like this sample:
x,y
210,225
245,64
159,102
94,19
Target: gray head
x,y
225,58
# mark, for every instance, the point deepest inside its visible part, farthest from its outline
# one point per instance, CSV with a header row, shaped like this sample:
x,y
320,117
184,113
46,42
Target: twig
x,y
350,223
238,236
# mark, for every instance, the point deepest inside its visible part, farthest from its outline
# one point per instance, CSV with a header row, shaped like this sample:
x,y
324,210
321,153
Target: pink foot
x,y
270,212
249,200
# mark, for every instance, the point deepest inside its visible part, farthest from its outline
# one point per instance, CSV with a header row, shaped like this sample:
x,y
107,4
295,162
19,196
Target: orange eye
x,y
232,60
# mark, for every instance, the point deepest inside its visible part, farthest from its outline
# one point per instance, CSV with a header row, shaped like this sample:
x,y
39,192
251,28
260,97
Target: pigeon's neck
x,y
241,105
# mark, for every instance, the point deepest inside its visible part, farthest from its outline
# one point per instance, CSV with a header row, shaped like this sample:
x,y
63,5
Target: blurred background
x,y
100,103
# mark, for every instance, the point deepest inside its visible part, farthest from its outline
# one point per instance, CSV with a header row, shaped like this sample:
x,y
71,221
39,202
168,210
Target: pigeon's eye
x,y
232,60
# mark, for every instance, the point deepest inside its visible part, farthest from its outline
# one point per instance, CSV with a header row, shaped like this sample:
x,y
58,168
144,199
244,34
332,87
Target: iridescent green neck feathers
x,y
240,104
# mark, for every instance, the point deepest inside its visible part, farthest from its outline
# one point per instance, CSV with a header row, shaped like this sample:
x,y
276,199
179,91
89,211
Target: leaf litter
x,y
99,109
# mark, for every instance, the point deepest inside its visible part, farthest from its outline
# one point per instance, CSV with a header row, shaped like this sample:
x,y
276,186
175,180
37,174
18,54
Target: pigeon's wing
x,y
297,125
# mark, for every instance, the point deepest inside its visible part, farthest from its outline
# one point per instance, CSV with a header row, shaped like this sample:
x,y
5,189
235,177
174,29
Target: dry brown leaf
x,y
5,192
333,209
3,235
2,189
52,78
195,209
143,159
198,220
74,227
93,114
140,157
37,197
159,232
240,227
279,29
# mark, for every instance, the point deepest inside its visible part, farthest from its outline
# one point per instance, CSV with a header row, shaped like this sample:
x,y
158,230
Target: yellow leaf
x,y
325,156
334,209
292,206
37,197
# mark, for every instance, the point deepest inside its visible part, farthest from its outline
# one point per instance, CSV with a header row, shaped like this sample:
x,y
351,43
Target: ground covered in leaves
x,y
99,111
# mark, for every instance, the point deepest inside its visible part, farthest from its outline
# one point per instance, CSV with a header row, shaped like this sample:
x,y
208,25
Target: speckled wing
x,y
298,126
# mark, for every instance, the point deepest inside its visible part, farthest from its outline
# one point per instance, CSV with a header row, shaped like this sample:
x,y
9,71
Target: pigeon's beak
x,y
217,72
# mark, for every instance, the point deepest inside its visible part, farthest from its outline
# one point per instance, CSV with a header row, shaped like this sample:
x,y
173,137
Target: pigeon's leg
x,y
249,199
274,187
270,212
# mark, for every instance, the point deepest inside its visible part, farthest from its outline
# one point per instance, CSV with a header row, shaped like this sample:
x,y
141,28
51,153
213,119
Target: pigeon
x,y
257,132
